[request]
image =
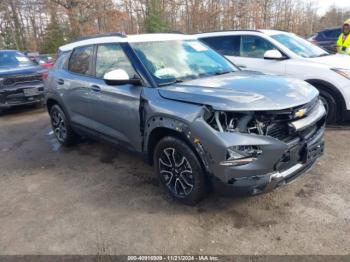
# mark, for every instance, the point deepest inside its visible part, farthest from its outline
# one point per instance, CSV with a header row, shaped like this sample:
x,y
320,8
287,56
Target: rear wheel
x,y
61,126
179,170
330,104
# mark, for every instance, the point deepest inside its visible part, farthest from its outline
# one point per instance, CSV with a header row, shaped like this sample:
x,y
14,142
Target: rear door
x,y
75,83
115,109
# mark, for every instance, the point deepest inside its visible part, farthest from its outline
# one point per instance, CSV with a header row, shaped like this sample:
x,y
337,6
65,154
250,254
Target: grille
x,y
281,131
21,79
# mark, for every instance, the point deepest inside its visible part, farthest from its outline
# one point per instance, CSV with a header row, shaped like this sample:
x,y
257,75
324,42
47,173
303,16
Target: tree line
x,y
43,25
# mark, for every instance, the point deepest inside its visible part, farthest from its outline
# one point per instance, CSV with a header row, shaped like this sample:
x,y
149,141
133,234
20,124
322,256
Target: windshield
x,y
176,61
13,58
299,45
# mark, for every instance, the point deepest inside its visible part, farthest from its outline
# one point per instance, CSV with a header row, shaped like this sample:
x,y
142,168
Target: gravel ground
x,y
96,199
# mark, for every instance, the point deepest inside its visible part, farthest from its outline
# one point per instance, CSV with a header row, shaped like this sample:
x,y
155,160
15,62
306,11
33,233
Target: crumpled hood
x,y
20,70
242,91
333,61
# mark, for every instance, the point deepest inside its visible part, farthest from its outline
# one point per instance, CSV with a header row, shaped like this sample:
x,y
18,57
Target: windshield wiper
x,y
175,81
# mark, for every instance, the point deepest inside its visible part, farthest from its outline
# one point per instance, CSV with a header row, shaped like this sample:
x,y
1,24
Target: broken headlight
x,y
234,122
241,155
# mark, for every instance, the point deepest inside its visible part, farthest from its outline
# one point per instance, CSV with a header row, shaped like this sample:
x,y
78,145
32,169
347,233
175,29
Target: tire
x,y
331,106
179,171
61,126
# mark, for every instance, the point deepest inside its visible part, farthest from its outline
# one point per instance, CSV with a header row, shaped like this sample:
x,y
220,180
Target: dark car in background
x,y
21,80
327,38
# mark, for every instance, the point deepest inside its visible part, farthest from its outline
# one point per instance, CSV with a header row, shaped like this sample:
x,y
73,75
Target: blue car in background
x,y
327,38
21,80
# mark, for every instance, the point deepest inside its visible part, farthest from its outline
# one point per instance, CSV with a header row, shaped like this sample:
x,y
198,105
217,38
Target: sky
x,y
325,4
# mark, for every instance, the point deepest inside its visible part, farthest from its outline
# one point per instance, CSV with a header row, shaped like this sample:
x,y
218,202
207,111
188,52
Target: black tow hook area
x,y
243,186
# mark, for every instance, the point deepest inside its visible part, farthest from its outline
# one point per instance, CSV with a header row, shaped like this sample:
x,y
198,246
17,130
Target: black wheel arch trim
x,y
321,84
51,100
159,126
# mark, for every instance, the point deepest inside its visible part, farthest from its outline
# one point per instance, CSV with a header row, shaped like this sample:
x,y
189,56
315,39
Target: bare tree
x,y
28,24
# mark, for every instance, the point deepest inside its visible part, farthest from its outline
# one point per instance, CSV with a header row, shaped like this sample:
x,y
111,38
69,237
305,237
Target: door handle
x,y
96,88
242,66
60,81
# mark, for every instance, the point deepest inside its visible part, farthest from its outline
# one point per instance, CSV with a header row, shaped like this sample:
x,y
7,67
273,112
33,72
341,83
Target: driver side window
x,y
110,57
255,46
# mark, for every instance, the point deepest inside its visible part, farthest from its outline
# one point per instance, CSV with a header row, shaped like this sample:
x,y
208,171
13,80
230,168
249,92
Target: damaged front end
x,y
284,144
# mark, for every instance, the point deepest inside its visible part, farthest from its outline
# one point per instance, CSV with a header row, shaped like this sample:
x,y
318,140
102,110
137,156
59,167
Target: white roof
x,y
237,32
224,33
127,39
273,32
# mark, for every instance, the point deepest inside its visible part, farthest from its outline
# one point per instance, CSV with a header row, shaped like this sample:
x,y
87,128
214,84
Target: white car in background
x,y
283,53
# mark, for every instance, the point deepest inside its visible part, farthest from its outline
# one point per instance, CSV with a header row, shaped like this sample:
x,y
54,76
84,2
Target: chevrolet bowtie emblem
x,y
300,113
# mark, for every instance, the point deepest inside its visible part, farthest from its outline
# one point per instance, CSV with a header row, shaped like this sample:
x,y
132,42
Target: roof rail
x,y
118,34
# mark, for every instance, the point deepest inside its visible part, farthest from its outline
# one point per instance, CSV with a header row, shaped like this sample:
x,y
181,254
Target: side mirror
x,y
120,77
273,55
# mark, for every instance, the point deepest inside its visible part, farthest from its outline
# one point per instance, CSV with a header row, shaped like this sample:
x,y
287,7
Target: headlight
x,y
343,72
241,155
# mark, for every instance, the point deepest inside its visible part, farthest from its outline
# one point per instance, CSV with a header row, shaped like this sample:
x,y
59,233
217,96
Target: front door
x,y
115,109
251,56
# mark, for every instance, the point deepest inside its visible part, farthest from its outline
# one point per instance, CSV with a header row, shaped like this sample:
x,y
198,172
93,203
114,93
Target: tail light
x,y
44,75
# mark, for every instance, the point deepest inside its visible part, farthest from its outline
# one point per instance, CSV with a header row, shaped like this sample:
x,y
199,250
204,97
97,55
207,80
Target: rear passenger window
x,y
111,57
81,60
225,45
255,47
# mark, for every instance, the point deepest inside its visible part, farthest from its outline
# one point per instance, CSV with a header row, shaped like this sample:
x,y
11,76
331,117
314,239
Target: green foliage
x,y
154,22
53,38
7,41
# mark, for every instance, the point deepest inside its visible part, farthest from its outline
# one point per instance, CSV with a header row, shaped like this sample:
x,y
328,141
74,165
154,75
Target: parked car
x,y
283,53
327,38
44,61
196,117
21,81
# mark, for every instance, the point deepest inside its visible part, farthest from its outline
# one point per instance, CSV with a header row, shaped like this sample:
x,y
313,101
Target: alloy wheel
x,y
59,125
176,172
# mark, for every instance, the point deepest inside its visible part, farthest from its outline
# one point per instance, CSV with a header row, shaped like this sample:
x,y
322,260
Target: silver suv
x,y
202,122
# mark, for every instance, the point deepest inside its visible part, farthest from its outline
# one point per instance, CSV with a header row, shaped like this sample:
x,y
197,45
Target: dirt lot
x,y
94,199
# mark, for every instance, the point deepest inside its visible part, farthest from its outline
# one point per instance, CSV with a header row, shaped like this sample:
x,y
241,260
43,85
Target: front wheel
x,y
179,170
331,107
61,126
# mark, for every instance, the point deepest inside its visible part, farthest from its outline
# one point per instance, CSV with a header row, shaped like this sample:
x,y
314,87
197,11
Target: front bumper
x,y
21,95
305,156
280,162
